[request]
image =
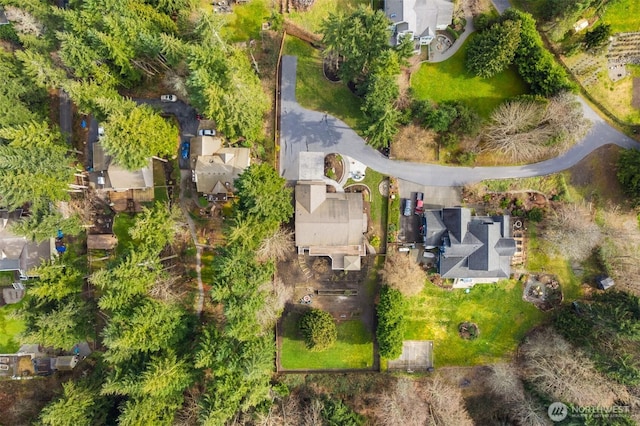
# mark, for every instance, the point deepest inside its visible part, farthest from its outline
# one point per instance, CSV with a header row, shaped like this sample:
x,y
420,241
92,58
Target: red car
x,y
419,203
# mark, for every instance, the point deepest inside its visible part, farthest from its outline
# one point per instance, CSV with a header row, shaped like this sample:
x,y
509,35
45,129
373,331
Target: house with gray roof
x,y
111,176
17,253
418,19
330,224
473,249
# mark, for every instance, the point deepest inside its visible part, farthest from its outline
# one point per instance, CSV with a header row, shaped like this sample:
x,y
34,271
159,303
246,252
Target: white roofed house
x,y
215,167
419,19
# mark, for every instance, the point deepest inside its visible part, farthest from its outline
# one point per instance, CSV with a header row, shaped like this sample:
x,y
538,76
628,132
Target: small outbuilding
x,y
604,282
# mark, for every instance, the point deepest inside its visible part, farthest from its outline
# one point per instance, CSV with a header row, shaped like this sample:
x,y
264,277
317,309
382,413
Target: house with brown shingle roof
x,y
215,167
330,224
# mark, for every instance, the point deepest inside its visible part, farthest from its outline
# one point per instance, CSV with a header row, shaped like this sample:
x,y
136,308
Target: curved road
x,y
306,130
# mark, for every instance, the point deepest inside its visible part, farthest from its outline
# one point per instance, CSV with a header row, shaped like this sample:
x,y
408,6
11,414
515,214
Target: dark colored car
x,y
184,150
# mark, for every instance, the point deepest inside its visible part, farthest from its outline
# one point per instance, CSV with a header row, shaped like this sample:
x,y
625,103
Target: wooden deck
x,y
131,201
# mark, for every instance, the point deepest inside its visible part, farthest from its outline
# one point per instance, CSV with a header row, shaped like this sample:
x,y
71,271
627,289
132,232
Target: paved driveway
x,y
186,116
306,130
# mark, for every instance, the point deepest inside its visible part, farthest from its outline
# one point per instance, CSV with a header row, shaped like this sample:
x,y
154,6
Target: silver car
x,y
407,207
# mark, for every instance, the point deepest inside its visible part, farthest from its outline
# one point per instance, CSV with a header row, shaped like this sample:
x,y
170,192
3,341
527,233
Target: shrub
x,y
535,214
318,329
336,412
391,322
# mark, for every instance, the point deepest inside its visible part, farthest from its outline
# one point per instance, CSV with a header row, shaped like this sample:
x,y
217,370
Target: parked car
x,y
407,207
100,133
168,98
419,202
184,150
206,132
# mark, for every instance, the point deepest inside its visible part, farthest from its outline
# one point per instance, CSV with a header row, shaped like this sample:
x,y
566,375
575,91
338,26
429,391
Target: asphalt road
x,y
65,115
306,130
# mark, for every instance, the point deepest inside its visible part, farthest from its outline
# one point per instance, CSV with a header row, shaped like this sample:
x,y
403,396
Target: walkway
x,y
185,178
468,29
306,130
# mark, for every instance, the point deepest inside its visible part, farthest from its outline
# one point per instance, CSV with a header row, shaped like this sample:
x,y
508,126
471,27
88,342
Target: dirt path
x,y
184,206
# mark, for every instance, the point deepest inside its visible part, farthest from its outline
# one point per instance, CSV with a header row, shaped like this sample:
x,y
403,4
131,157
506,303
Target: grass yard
x,y
379,207
498,310
312,18
315,92
121,224
245,23
10,329
539,260
623,16
159,183
353,349
450,81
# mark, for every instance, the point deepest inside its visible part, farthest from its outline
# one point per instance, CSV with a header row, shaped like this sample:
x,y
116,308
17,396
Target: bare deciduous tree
x,y
402,272
572,231
505,384
402,405
446,405
431,402
277,295
565,373
277,246
620,250
302,4
525,130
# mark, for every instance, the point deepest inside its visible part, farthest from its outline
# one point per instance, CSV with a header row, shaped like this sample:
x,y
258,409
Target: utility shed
x,y
605,282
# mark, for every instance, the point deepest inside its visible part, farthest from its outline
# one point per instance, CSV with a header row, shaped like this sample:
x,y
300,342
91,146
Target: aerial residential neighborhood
x,y
319,212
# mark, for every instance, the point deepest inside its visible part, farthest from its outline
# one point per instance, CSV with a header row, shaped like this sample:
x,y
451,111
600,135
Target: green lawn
x,y
315,92
502,317
354,348
379,204
121,224
539,260
159,182
450,81
312,18
245,23
623,16
10,329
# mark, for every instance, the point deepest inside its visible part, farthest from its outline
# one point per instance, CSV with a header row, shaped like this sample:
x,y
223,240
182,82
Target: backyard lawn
x,y
121,224
312,18
450,81
159,182
353,349
498,310
539,260
315,92
245,23
10,328
623,16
